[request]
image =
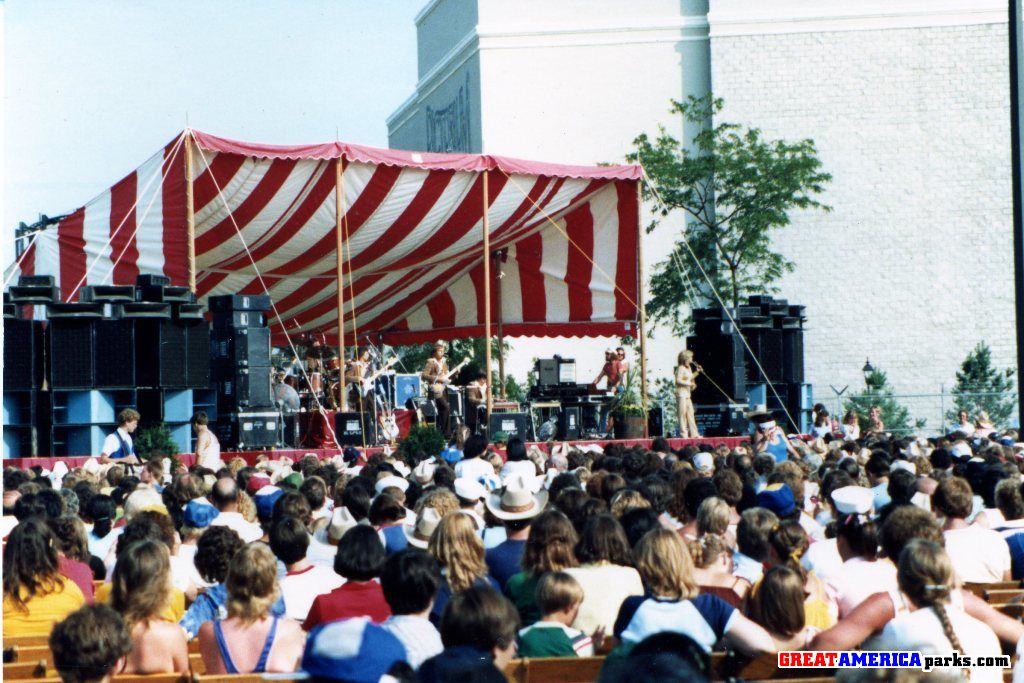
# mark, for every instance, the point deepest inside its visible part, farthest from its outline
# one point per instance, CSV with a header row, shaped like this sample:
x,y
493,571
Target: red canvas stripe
x,y
261,195
537,219
402,307
476,274
460,222
529,252
123,248
428,194
278,236
397,337
71,238
369,200
28,267
208,282
579,227
626,275
222,169
322,306
442,310
256,286
174,197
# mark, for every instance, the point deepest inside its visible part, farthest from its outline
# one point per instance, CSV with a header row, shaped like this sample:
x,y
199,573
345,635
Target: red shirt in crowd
x,y
80,573
352,599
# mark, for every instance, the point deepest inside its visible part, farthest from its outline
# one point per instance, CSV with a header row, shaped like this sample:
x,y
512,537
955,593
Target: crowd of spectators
x,y
354,567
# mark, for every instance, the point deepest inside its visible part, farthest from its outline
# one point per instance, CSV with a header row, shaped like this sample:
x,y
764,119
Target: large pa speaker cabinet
x,y
655,422
159,354
72,353
569,423
115,354
23,354
721,356
224,323
766,347
355,429
793,354
241,346
242,387
720,420
197,354
249,429
226,303
512,424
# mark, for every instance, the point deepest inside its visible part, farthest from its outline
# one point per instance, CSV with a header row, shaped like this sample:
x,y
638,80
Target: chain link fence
x,y
933,409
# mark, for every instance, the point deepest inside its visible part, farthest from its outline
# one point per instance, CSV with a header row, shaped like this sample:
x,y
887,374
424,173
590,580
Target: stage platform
x,y
295,454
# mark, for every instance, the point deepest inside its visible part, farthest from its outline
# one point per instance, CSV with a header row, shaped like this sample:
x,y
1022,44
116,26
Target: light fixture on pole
x,y
868,370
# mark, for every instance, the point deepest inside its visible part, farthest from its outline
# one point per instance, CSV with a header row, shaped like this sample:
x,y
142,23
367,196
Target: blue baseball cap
x,y
351,650
198,514
265,499
778,498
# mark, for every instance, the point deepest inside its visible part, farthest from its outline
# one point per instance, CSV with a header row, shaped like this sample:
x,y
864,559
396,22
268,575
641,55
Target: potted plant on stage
x,y
627,412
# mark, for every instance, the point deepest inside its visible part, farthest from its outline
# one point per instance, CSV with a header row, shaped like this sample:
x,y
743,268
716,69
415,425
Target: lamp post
x,y
868,370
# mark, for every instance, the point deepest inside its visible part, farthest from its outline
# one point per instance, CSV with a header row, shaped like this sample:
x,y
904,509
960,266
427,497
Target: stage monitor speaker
x,y
23,354
570,422
242,387
720,420
159,354
107,294
424,405
241,347
655,422
456,403
197,354
228,303
72,353
511,424
355,429
248,430
115,354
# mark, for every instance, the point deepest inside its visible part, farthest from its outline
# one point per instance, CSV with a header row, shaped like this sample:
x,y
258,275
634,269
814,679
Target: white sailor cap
x,y
853,500
470,489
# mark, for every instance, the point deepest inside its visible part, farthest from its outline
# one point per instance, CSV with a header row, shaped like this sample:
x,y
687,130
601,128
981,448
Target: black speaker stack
x,y
239,353
73,374
773,330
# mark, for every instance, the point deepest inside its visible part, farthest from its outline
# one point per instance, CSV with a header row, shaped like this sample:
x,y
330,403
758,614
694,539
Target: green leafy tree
x,y
736,187
421,439
664,396
982,386
154,440
877,392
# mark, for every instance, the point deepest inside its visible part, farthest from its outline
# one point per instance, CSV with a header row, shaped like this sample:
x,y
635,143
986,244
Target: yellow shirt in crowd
x,y
175,609
43,611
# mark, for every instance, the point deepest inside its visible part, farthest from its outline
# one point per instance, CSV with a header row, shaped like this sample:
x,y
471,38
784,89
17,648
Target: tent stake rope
x,y
162,173
319,406
721,302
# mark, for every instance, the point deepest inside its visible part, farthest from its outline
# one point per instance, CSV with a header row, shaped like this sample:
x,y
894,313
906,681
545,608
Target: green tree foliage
x,y
981,386
422,438
664,396
877,392
154,440
736,187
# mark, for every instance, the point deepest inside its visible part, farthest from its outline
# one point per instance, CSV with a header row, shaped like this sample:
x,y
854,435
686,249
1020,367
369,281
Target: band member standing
x,y
476,400
435,374
620,356
356,371
686,382
612,371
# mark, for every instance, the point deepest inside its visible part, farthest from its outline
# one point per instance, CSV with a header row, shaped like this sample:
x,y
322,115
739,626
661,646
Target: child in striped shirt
x,y
559,597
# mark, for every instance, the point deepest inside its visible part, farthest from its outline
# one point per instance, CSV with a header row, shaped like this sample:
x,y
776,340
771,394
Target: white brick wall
x,y
914,265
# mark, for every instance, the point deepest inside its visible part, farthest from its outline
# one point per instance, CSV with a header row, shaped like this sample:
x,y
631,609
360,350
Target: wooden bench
x,y
554,670
29,669
1014,610
980,589
766,668
1003,596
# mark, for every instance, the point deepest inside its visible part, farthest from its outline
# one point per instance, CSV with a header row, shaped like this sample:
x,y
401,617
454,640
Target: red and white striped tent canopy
x,y
265,220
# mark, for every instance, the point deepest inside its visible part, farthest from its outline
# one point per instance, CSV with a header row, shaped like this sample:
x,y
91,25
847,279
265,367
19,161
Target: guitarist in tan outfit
x,y
435,374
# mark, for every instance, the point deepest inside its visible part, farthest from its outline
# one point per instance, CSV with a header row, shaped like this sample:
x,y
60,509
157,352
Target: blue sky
x,y
94,87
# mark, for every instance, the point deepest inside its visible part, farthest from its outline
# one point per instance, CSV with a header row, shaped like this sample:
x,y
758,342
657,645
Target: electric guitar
x,y
367,382
438,385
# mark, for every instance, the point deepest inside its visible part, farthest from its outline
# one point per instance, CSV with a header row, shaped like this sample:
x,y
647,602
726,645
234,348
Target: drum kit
x,y
323,383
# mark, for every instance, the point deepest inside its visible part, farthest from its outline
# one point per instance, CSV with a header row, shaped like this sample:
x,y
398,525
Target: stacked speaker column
x,y
241,369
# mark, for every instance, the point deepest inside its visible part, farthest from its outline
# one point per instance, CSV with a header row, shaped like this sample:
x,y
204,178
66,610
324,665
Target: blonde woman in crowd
x,y
460,552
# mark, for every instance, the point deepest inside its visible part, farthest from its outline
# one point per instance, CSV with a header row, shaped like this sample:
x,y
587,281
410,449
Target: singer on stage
x,y
686,382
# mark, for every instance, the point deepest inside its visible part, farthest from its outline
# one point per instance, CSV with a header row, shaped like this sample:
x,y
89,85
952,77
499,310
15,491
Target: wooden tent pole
x,y
487,296
501,333
642,306
339,189
190,211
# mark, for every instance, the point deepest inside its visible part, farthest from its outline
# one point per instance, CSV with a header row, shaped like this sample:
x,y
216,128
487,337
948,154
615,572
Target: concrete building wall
x,y
909,107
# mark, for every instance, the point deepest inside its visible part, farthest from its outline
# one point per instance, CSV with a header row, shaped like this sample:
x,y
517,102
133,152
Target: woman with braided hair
x,y
937,624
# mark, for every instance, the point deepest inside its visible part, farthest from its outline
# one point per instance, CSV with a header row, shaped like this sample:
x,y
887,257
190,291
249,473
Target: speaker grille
x,y
172,354
197,341
115,354
71,354
19,354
